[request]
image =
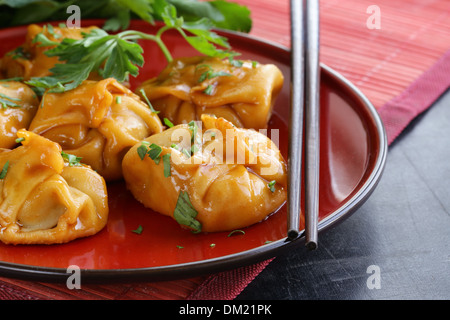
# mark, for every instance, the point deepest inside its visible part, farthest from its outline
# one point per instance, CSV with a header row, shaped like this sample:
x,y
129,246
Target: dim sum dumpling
x,y
29,59
44,200
242,92
97,121
234,178
18,107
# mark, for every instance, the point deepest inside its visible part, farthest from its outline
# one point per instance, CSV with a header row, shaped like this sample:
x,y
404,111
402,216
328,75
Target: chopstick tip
x,y
311,245
292,234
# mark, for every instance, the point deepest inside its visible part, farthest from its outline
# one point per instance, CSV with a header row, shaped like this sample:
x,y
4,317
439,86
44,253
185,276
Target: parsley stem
x,y
136,35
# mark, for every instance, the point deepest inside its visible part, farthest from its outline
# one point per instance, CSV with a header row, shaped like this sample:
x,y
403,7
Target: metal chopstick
x,y
296,119
312,125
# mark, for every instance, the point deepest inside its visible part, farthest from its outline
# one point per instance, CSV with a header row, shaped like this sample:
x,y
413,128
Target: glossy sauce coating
x,y
98,121
14,118
242,92
45,201
29,60
227,179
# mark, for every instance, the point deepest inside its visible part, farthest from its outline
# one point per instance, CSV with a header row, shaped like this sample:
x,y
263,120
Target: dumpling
x,y
242,92
209,177
43,199
29,59
18,104
97,121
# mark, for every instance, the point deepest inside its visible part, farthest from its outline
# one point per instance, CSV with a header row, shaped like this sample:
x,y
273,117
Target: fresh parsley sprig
x,y
119,55
109,55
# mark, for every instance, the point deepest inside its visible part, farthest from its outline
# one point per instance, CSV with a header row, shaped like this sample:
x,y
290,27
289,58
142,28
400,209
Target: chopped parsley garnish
x,y
4,170
166,162
271,185
185,213
209,90
19,52
194,129
148,101
236,63
210,73
142,149
168,123
195,139
73,160
236,231
138,230
7,101
119,55
11,79
154,152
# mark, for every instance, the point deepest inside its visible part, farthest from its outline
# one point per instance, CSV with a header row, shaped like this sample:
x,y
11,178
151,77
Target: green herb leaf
x,y
199,33
209,90
7,101
235,63
138,230
43,41
166,162
4,170
142,150
118,55
210,73
168,123
19,53
73,160
185,213
109,55
155,153
148,101
225,15
19,140
235,231
271,185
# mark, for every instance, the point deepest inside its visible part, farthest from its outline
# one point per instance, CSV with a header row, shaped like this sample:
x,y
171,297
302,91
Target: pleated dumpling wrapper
x,y
18,104
29,60
242,92
45,199
209,176
97,121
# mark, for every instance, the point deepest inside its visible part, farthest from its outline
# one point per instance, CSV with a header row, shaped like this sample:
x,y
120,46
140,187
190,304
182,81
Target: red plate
x,y
353,154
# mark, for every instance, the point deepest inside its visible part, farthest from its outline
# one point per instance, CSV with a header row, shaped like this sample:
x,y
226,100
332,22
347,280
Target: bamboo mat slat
x,y
380,62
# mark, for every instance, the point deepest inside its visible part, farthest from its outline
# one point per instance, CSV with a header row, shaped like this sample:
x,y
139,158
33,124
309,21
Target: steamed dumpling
x,y
16,112
43,199
234,178
29,59
242,92
97,121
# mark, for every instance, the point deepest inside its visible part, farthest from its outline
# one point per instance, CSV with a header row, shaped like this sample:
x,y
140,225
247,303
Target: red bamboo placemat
x,y
402,67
